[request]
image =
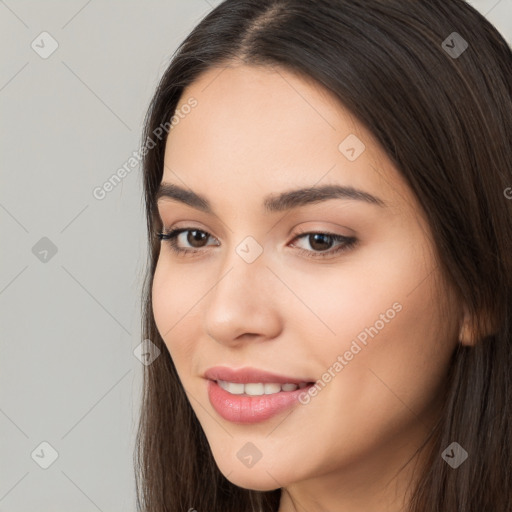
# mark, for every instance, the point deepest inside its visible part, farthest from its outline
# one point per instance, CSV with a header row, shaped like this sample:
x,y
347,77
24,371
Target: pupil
x,y
322,238
192,239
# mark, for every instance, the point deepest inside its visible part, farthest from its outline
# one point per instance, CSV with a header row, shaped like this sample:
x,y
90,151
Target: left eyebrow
x,y
304,196
274,203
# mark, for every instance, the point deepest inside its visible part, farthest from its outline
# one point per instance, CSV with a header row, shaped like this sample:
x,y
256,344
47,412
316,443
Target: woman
x,y
327,187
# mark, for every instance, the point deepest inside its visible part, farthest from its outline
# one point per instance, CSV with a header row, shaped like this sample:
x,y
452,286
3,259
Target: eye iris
x,y
198,237
314,238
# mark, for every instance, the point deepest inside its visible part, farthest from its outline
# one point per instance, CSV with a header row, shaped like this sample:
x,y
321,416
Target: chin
x,y
252,479
255,484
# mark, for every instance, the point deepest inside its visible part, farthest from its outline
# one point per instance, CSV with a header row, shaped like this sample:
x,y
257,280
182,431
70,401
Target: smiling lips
x,y
249,395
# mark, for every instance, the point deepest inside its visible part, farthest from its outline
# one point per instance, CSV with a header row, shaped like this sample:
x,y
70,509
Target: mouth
x,y
249,395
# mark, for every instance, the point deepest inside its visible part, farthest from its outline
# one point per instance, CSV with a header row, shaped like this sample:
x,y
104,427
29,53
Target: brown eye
x,y
320,241
195,237
322,244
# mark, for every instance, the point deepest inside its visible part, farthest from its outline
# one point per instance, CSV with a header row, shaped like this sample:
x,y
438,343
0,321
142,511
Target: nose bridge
x,y
241,300
240,281
244,268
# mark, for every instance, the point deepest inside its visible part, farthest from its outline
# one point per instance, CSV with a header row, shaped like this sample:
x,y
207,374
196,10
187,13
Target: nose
x,y
243,304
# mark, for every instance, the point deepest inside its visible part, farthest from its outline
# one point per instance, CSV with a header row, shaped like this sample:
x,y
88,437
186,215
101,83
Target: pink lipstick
x,y
249,395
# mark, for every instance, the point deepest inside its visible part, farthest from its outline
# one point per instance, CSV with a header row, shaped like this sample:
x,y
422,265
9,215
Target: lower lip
x,y
251,409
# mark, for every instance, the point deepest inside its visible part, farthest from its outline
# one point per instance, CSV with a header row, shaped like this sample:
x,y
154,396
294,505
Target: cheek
x,y
391,384
175,298
412,355
163,299
395,346
365,292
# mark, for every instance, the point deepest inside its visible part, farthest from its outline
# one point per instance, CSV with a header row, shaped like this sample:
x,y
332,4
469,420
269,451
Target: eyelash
x,y
348,242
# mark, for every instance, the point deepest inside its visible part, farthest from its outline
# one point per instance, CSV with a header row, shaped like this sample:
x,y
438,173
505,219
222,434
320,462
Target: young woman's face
x,y
269,287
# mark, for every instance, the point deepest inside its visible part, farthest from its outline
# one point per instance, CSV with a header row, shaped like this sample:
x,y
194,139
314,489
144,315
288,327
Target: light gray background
x,y
70,324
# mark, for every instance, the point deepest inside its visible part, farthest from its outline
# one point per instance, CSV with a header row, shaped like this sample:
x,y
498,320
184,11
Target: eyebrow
x,y
274,203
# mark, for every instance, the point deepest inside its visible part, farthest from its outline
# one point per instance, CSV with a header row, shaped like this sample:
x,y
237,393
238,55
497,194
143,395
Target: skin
x,y
259,131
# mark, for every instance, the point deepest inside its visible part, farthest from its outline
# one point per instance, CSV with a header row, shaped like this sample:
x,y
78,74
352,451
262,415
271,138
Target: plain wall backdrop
x,y
75,82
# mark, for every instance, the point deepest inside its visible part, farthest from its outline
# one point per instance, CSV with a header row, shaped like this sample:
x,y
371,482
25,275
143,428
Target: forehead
x,y
262,108
263,129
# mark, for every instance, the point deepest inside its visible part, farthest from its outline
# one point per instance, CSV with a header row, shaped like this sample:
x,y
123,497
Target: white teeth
x,y
254,389
272,388
289,387
257,388
231,387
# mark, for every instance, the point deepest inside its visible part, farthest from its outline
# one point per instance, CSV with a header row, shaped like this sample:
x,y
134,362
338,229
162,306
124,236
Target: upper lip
x,y
249,374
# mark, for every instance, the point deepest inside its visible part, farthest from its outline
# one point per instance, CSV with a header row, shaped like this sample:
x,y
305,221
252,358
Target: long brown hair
x,y
445,120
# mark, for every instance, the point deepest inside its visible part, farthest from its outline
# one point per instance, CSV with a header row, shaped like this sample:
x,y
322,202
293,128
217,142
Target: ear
x,y
468,334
